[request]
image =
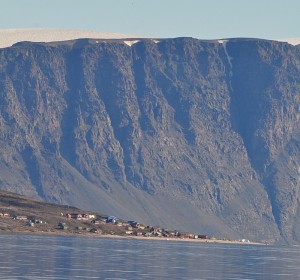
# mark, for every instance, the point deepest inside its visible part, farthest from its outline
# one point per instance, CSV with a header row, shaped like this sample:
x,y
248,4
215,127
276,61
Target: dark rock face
x,y
184,133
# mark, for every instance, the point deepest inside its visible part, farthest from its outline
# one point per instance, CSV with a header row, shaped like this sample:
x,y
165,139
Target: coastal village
x,y
19,214
82,223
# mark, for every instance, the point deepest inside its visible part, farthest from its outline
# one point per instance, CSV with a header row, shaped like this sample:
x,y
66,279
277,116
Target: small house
x,y
201,236
112,219
159,234
139,226
173,233
4,215
77,216
245,240
166,234
122,224
30,224
188,235
99,222
20,218
84,217
134,224
62,226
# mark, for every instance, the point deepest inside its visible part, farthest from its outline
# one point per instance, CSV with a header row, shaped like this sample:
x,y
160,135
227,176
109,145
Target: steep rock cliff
x,y
189,134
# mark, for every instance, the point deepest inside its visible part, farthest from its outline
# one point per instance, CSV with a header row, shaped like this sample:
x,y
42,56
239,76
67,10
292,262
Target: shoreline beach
x,y
129,237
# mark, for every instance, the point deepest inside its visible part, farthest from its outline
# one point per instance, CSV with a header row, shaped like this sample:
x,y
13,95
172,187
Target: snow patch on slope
x,y
130,43
8,37
222,41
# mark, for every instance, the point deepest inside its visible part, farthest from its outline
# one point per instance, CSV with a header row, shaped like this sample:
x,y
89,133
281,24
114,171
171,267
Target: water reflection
x,y
39,257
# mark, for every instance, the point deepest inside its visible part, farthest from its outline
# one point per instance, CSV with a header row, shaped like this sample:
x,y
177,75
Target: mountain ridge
x,y
48,35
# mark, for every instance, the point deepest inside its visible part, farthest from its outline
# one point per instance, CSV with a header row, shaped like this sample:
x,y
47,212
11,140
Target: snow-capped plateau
x,y
8,37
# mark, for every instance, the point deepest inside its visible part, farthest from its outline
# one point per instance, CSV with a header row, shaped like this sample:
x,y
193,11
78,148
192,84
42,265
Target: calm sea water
x,y
52,257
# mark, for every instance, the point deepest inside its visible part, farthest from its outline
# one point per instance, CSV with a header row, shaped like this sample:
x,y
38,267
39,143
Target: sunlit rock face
x,y
188,134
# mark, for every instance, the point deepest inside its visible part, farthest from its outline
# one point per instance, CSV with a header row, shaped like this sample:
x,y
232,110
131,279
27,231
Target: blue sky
x,y
203,19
